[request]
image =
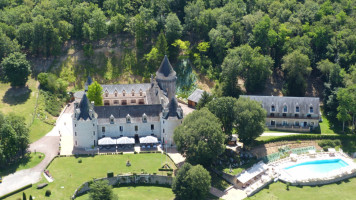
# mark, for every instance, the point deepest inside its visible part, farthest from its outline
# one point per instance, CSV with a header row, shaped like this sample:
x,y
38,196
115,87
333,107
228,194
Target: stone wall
x,y
324,182
266,149
127,179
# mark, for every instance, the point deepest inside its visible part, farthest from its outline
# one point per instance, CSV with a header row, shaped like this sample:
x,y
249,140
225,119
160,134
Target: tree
x,y
161,45
95,93
220,40
252,66
200,137
101,190
224,109
97,23
191,182
204,100
173,28
30,197
23,196
297,69
16,69
250,119
347,105
7,46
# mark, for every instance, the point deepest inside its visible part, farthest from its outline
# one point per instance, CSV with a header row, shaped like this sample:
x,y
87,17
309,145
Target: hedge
x,y
163,169
16,191
305,137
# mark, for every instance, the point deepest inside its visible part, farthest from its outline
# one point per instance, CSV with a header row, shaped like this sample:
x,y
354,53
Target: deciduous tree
x,y
16,69
95,93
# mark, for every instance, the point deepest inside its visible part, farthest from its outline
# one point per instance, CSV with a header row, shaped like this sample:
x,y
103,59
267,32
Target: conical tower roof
x,y
165,71
84,107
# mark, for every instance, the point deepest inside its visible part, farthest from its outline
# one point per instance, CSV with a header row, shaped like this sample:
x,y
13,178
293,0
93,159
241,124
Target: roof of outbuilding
x,y
84,107
165,71
196,95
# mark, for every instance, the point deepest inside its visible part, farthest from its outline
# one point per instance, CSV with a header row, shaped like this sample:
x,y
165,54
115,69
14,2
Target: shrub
x,y
48,193
169,174
135,152
287,186
110,174
80,161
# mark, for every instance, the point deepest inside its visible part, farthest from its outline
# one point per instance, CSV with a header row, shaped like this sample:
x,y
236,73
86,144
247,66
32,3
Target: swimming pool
x,y
316,167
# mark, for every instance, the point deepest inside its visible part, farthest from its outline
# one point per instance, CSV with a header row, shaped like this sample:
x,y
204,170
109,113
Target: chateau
x,y
290,113
131,110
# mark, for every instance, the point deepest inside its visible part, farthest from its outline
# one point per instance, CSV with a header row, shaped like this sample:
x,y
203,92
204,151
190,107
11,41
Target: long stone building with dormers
x,y
290,113
129,110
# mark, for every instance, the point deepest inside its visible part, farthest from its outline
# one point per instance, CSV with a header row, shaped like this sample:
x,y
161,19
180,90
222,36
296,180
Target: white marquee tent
x,y
125,140
148,140
106,141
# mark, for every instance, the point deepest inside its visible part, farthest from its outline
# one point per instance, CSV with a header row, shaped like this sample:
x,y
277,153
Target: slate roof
x,y
196,95
135,111
84,107
173,110
291,102
127,87
165,71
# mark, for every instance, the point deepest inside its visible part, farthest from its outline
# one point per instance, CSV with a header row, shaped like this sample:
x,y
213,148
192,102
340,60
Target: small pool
x,y
317,166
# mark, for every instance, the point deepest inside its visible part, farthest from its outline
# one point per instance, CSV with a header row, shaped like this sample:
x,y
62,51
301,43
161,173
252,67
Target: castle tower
x,y
84,124
172,116
166,78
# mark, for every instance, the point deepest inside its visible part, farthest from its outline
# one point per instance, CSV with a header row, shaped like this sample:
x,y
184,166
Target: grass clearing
x,y
29,161
139,193
39,129
344,190
70,174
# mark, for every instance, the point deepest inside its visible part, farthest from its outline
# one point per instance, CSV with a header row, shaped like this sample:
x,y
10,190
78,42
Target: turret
x,y
166,78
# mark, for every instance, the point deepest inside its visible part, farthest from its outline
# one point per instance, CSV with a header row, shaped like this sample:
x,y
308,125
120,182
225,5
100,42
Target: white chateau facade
x,y
131,110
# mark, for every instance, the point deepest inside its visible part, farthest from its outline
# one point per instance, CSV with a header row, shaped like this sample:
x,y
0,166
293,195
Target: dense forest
x,y
225,40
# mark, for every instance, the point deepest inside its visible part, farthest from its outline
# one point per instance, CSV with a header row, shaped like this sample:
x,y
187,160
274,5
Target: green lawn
x,y
70,174
218,182
140,193
39,129
22,102
28,162
344,190
325,127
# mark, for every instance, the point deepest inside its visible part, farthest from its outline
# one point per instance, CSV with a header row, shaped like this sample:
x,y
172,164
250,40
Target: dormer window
x,y
106,93
311,109
112,119
123,93
297,109
133,92
285,109
273,108
115,93
144,118
128,118
141,92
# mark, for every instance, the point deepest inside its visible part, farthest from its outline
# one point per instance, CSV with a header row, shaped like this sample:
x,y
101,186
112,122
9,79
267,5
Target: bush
x,y
325,148
48,193
287,186
110,174
306,137
80,161
135,152
169,174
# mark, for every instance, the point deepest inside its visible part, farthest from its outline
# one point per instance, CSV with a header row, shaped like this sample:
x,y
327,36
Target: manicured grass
x,y
140,193
22,102
70,174
239,169
29,161
344,190
38,130
325,127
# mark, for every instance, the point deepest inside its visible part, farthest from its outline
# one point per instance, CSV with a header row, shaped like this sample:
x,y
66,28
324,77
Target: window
x,y
123,93
111,121
152,127
272,114
311,109
121,128
273,123
163,131
136,128
273,109
284,115
140,92
75,125
75,133
284,123
133,92
123,102
311,123
285,109
309,115
297,109
296,115
93,132
133,100
141,101
93,125
94,142
116,101
144,118
103,129
76,143
115,93
106,94
106,103
128,118
296,123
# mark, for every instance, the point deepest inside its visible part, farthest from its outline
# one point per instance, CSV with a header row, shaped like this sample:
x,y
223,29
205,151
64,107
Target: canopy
x,y
331,150
148,140
252,172
125,140
311,151
106,141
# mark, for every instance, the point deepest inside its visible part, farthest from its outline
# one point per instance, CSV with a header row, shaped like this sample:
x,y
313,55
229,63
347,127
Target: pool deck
x,y
315,178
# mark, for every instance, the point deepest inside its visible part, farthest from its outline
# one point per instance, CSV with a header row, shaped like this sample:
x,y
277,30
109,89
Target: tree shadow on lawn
x,y
6,170
17,95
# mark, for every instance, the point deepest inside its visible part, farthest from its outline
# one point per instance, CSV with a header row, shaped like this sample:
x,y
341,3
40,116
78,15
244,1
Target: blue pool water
x,y
317,166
